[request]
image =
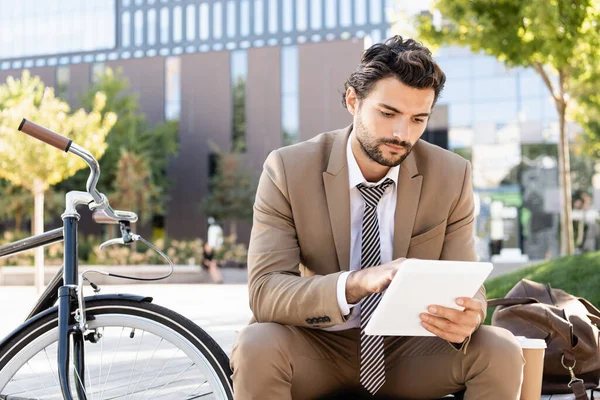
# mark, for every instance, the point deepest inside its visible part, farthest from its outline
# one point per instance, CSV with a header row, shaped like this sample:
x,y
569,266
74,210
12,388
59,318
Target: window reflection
x,y
26,32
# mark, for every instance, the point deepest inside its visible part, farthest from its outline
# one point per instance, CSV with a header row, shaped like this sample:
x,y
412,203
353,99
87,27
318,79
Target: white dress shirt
x,y
386,211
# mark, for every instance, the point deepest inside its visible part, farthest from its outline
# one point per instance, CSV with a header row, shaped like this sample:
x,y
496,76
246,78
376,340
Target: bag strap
x,y
591,308
511,301
579,390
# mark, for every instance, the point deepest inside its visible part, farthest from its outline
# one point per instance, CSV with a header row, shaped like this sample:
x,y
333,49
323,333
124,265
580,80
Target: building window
x,y
151,27
190,24
177,24
164,25
316,17
231,22
173,88
204,21
288,15
330,14
217,20
345,13
360,12
239,75
273,19
301,16
376,11
289,94
42,28
138,21
259,22
63,73
97,71
125,29
245,18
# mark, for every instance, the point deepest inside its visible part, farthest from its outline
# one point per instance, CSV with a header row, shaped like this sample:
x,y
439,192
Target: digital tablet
x,y
419,284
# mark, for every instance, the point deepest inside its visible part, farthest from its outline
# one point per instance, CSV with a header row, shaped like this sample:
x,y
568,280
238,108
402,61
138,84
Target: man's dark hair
x,y
407,60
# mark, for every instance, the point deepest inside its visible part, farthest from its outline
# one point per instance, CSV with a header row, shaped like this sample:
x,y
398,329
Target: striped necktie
x,y
372,364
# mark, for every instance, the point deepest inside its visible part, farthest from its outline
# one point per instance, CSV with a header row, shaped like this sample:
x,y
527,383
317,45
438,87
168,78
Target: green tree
x,y
133,188
32,164
555,37
16,204
231,191
152,147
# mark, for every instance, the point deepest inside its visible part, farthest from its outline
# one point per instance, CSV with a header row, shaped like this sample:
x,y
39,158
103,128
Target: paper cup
x,y
533,352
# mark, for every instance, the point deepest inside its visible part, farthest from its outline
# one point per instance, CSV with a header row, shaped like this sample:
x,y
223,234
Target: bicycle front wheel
x,y
135,350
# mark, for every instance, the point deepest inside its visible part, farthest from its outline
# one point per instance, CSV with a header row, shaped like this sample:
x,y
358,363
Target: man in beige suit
x,y
334,218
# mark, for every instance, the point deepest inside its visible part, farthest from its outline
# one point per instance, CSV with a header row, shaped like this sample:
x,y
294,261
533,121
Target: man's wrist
x,y
353,290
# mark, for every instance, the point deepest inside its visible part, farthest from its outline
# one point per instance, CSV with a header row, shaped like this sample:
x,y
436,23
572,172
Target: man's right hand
x,y
363,282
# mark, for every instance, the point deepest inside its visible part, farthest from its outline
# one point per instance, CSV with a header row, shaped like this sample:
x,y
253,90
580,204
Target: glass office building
x,y
253,75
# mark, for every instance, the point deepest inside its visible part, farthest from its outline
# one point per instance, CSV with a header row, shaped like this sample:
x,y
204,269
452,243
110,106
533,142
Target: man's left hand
x,y
451,324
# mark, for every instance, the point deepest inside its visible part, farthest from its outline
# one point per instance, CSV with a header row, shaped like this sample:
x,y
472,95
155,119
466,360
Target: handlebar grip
x,y
45,135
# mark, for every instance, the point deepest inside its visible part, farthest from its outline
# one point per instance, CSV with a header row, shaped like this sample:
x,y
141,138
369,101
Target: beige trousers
x,y
278,362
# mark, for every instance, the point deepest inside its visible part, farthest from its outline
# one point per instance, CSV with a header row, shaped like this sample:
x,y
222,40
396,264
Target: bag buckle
x,y
574,379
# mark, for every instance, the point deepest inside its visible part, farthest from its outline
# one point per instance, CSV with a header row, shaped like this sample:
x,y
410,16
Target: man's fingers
x,y
469,303
450,314
446,326
451,337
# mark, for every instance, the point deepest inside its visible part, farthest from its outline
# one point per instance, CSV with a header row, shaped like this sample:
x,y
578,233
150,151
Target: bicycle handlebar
x,y
45,135
100,202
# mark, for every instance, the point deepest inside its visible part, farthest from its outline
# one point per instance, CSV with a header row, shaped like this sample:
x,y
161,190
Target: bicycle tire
x,y
24,352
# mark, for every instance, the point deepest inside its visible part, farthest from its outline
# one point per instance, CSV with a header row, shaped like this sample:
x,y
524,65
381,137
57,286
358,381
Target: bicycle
x,y
59,351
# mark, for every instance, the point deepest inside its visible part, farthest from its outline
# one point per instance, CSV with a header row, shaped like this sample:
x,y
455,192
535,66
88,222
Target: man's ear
x,y
351,100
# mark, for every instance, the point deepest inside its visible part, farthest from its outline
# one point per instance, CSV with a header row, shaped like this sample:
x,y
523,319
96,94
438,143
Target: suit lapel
x,y
337,192
407,202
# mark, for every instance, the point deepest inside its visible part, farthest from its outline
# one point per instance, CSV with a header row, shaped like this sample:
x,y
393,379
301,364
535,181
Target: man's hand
x,y
363,282
454,325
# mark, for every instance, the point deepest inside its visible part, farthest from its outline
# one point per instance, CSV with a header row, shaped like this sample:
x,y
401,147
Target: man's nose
x,y
402,130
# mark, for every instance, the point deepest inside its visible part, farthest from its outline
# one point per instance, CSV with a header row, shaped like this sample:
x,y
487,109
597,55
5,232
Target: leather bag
x,y
568,324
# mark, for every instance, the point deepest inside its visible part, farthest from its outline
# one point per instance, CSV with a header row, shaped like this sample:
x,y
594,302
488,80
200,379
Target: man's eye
x,y
419,120
387,115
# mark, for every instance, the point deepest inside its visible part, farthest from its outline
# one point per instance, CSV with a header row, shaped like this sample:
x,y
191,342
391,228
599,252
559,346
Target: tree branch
x,y
540,70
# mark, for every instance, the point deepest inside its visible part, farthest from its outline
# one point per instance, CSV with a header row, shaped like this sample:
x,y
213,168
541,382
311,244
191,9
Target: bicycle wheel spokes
x,y
121,365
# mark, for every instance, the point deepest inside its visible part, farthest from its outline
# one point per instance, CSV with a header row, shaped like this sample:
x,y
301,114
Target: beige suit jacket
x,y
300,241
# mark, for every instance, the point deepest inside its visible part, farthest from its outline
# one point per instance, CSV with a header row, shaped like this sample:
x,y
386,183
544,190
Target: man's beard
x,y
372,147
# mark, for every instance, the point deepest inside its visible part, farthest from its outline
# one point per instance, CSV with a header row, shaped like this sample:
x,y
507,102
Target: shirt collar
x,y
356,177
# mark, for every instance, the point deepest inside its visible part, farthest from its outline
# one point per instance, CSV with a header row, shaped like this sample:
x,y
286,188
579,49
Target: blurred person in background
x,y
213,243
586,223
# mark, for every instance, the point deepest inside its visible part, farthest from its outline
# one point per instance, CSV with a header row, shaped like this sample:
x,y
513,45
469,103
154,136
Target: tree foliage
x,y
232,190
25,161
133,138
555,37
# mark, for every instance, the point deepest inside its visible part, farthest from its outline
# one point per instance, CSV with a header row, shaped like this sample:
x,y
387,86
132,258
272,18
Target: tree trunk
x,y
233,229
18,219
564,171
38,228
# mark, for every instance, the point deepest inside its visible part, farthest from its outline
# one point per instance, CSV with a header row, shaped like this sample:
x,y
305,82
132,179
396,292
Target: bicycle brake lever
x,y
111,242
132,238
